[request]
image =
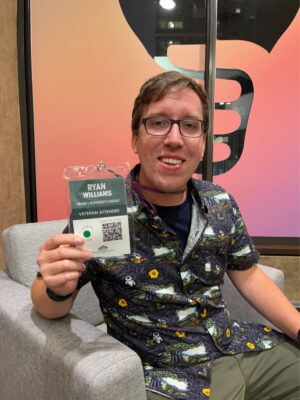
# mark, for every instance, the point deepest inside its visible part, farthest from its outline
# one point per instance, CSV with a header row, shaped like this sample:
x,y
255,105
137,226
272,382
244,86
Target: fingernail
x,y
78,239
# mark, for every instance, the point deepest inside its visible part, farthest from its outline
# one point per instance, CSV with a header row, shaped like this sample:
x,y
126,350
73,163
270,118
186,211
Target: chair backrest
x,y
21,245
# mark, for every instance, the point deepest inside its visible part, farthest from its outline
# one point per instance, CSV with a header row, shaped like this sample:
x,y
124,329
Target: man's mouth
x,y
170,161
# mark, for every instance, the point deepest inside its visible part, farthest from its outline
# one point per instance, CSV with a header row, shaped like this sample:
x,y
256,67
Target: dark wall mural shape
x,y
258,21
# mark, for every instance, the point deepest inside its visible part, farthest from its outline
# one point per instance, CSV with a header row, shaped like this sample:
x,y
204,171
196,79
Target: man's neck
x,y
156,196
165,199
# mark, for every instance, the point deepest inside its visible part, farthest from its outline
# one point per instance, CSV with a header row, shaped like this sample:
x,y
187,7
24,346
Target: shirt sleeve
x,y
241,251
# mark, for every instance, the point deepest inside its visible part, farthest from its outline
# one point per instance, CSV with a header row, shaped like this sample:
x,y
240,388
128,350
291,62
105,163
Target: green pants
x,y
268,375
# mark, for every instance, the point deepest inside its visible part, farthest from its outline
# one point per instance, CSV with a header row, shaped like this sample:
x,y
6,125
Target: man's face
x,y
168,162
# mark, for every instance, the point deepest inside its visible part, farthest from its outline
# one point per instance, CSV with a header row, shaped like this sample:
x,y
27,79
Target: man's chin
x,y
167,187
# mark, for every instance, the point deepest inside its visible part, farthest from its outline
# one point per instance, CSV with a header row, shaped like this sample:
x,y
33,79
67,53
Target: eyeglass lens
x,y
162,126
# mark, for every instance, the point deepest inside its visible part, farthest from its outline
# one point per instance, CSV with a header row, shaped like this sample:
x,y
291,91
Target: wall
x,y
82,103
12,202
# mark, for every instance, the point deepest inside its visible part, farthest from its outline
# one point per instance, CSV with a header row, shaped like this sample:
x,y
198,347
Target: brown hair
x,y
158,86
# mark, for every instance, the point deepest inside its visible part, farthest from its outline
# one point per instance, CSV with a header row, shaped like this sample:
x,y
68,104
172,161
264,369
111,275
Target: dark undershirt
x,y
178,218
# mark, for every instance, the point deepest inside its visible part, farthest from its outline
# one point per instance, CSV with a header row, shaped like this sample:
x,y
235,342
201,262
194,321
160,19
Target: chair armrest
x,y
238,307
67,358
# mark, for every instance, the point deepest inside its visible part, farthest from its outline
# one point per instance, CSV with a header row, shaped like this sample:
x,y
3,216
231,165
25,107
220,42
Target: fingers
x,y
63,252
63,246
62,239
61,266
60,280
61,261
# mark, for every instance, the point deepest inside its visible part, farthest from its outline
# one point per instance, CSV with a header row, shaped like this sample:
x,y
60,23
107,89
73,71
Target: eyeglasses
x,y
161,126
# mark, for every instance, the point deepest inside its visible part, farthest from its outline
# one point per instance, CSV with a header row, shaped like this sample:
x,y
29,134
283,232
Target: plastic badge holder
x,y
100,200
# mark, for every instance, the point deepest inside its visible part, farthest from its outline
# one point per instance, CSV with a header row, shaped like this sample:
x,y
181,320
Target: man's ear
x,y
134,138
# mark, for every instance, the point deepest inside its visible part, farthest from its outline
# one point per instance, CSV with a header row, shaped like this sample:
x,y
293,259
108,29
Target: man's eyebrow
x,y
158,115
165,115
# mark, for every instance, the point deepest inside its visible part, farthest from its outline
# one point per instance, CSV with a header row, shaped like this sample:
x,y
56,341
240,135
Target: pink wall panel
x,y
87,68
266,179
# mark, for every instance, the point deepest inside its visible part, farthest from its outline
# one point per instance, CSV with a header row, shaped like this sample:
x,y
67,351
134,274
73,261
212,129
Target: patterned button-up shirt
x,y
165,302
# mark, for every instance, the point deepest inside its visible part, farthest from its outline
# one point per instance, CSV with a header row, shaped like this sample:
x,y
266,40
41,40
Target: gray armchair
x,y
70,358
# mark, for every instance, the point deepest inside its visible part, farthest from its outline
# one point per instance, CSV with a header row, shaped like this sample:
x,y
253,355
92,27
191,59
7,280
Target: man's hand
x,y
61,262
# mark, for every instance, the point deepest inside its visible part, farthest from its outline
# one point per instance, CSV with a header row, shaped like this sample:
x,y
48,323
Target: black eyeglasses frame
x,y
175,121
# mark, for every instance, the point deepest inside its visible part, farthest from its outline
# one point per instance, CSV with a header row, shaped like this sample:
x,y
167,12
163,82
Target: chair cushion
x,y
21,245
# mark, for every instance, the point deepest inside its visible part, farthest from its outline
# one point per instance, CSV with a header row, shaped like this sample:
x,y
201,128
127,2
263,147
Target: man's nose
x,y
174,136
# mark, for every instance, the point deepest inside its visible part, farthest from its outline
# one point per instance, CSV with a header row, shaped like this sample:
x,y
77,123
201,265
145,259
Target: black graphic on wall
x,y
259,21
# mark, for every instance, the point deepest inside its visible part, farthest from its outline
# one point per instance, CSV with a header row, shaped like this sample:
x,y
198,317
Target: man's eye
x,y
159,123
190,125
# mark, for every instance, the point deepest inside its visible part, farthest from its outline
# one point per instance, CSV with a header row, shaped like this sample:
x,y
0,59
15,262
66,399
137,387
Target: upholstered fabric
x,y
65,359
21,245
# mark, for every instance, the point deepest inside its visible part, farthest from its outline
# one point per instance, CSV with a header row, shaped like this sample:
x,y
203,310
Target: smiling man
x,y
164,301
169,137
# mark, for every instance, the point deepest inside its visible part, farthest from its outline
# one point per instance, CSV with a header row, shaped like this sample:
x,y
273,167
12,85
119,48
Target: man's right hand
x,y
61,262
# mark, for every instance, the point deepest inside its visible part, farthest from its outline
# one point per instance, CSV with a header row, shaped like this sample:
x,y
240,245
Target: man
x,y
164,301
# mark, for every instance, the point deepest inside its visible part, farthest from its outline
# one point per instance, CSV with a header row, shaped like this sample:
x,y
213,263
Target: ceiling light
x,y
167,4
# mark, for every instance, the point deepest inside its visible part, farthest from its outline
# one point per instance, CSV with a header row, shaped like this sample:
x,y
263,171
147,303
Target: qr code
x,y
112,231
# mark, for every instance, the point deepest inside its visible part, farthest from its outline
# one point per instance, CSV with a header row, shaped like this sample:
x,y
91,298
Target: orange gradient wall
x,y
87,67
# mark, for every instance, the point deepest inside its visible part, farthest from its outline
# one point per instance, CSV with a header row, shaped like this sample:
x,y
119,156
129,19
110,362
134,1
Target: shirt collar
x,y
194,185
